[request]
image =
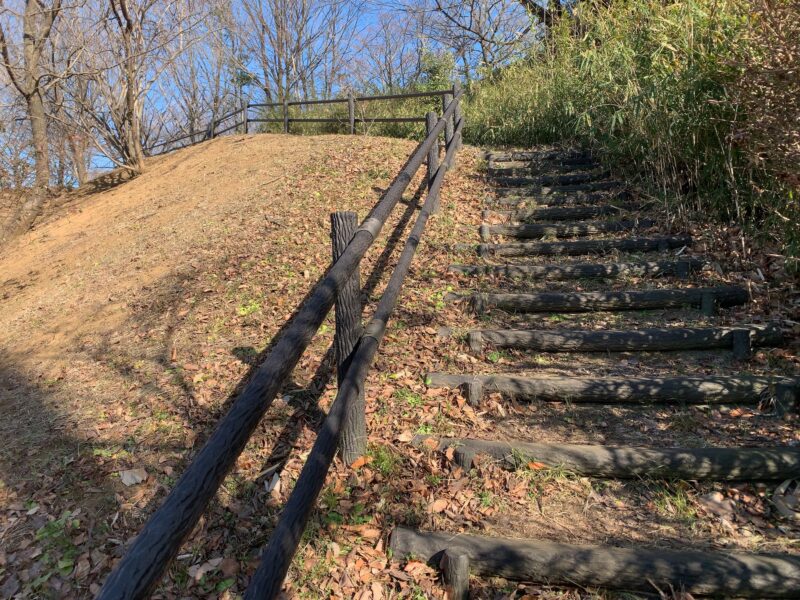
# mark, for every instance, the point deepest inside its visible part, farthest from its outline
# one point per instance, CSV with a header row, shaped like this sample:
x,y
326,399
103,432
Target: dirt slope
x,y
132,314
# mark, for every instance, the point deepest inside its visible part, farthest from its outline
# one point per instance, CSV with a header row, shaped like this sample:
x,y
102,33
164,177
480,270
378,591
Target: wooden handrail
x,y
211,131
153,549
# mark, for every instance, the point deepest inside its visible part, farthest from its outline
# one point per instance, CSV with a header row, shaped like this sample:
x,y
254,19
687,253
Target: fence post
x,y
285,115
353,442
245,116
457,116
351,112
449,125
211,127
433,154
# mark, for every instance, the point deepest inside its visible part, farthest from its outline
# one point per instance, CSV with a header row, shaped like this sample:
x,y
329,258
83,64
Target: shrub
x,y
655,87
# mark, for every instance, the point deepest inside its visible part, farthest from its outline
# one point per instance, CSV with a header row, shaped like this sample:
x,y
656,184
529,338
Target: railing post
x,y
245,123
285,115
449,125
351,112
353,443
457,116
433,154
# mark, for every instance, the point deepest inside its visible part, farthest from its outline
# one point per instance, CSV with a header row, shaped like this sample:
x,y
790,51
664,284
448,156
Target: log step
x,y
680,268
657,339
556,174
528,168
705,298
564,213
554,180
531,184
571,200
579,247
632,462
627,390
722,574
556,157
538,230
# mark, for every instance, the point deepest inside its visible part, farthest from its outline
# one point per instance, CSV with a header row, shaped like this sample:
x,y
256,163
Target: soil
x,y
134,312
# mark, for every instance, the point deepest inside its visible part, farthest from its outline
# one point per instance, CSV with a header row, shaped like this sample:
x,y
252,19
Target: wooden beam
x,y
567,213
539,230
681,268
632,462
729,574
533,199
579,247
532,182
575,302
646,340
625,390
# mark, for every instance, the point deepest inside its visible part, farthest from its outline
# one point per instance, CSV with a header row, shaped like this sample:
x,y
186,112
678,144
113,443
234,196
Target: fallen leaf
x,y
197,572
229,567
133,476
430,443
359,462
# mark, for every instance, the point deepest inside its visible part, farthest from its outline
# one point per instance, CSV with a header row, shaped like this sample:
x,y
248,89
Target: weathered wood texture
x,y
627,390
552,180
532,200
276,558
532,183
348,330
567,213
555,157
579,247
680,268
646,340
539,230
455,572
728,575
722,296
151,552
631,462
433,152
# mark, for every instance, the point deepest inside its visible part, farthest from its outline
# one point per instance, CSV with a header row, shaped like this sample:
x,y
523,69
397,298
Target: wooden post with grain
x,y
353,442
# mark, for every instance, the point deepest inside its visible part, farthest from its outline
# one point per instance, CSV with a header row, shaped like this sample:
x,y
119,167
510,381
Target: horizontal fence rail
x,y
277,556
151,552
241,118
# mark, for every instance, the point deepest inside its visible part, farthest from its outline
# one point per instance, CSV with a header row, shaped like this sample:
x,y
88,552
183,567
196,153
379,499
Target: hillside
x,y
132,314
136,310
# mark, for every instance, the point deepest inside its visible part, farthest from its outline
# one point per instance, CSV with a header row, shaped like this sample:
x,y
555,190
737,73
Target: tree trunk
x,y
23,218
41,152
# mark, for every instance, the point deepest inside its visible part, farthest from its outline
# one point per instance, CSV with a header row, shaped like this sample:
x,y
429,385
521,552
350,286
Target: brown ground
x,y
133,314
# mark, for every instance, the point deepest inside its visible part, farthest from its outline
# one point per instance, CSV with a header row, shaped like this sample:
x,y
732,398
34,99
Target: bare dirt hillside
x,y
131,315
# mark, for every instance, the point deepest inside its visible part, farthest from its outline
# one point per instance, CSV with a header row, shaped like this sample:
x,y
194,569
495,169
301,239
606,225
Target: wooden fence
x,y
151,552
241,119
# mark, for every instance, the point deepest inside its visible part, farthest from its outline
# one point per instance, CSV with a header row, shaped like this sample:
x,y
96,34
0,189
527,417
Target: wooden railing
x,y
154,548
241,119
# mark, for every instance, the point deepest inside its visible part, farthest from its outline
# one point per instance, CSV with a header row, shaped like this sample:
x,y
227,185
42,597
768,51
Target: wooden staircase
x,y
525,266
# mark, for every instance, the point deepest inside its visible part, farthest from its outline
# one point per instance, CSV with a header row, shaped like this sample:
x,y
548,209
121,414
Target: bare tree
x,y
132,44
27,75
204,80
391,51
16,167
296,45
